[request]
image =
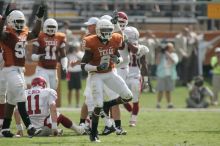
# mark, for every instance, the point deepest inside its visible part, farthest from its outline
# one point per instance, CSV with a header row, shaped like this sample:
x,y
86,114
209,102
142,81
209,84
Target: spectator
x,y
215,63
197,94
74,72
166,62
186,45
152,43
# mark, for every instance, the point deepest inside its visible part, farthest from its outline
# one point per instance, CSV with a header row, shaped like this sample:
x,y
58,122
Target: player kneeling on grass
x,y
41,107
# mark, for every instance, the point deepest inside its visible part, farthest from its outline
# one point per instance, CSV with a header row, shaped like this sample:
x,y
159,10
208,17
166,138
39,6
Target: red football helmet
x,y
122,19
39,81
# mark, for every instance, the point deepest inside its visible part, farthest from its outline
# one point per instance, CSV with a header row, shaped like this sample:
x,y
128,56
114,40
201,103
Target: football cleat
x,y
33,132
84,128
60,132
94,138
108,130
132,123
7,133
170,106
120,131
158,106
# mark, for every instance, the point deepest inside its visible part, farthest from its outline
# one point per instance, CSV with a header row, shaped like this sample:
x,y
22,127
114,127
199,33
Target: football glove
x,y
7,11
115,59
114,19
102,67
40,12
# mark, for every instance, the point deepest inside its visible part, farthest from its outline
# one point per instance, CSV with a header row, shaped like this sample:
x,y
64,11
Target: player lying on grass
x,y
41,107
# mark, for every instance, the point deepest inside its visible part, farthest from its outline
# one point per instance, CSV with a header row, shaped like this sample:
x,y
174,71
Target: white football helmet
x,y
132,34
106,17
104,30
50,26
122,20
16,20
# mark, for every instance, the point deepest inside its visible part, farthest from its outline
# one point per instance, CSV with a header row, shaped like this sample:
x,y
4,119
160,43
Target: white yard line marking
x,y
156,110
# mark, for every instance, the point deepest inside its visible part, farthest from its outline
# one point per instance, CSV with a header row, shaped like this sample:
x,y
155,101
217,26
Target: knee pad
x,y
126,97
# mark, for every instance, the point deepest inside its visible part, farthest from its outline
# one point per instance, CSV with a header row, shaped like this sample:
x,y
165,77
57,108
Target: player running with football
x,y
13,41
47,48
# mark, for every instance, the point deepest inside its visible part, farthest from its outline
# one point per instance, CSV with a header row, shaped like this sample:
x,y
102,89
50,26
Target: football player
x,y
101,53
2,90
122,71
137,69
41,107
88,105
47,48
13,41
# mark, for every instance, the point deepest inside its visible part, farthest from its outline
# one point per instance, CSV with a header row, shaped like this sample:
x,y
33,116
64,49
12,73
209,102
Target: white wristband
x,y
20,127
35,57
89,67
54,125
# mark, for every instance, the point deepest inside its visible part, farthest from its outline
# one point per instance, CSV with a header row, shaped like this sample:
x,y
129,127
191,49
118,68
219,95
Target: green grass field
x,y
175,127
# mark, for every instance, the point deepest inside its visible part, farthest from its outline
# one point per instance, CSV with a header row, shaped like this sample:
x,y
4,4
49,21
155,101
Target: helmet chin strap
x,y
18,31
103,40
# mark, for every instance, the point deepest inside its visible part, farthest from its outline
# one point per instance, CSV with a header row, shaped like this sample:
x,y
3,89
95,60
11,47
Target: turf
x,y
162,127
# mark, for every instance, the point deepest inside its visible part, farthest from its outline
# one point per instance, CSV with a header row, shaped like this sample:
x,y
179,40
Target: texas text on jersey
x,y
101,52
50,46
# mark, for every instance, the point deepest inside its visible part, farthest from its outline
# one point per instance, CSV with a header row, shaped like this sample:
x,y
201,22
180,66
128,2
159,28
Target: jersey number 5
x,y
36,105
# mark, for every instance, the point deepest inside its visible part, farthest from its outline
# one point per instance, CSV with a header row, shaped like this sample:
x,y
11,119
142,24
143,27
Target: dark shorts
x,y
75,80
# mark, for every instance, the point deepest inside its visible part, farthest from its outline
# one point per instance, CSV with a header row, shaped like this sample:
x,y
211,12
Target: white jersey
x,y
38,104
134,70
125,56
75,56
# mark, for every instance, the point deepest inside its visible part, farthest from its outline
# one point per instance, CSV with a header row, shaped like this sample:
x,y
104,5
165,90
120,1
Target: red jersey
x,y
50,46
101,52
13,47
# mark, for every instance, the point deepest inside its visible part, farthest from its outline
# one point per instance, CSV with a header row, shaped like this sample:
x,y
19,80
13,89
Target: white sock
x,y
133,118
74,127
107,121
